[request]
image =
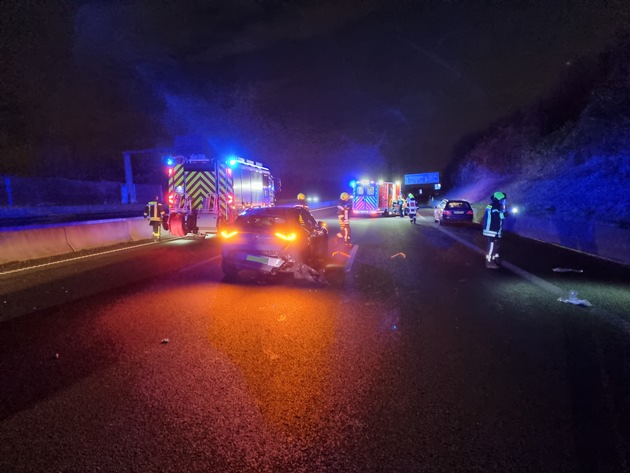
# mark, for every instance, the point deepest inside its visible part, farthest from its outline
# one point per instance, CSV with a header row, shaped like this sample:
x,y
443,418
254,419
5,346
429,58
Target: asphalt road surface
x,y
411,357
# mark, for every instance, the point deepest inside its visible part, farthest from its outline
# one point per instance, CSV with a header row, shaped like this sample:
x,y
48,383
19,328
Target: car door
x,y
317,235
439,208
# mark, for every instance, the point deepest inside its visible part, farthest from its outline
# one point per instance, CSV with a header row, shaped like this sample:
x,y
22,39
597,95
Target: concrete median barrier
x,y
139,229
89,235
25,245
592,238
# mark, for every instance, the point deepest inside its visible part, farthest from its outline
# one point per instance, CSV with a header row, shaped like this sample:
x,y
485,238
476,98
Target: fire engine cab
x,y
203,192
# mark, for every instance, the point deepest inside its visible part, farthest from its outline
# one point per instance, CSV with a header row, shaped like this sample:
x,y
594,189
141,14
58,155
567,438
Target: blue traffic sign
x,y
423,178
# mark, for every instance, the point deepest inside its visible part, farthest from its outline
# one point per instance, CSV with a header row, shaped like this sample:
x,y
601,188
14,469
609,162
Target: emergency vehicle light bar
x,y
247,162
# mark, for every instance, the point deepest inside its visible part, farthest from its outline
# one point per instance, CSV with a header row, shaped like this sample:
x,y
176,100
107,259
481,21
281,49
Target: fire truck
x,y
373,198
203,192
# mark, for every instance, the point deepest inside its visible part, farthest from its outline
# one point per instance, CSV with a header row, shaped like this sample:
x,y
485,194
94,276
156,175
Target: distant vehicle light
x,y
514,210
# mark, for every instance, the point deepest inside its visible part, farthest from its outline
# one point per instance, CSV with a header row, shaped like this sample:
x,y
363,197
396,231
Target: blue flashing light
x,y
353,184
232,162
169,160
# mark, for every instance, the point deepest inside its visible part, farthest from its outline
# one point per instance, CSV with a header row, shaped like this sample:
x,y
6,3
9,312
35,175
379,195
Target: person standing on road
x,y
154,211
492,227
301,201
344,207
411,206
401,206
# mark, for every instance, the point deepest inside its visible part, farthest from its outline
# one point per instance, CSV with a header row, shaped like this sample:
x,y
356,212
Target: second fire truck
x,y
203,192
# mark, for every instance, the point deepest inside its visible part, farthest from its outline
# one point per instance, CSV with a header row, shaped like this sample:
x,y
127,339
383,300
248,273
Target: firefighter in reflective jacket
x,y
154,211
344,207
411,207
301,201
492,227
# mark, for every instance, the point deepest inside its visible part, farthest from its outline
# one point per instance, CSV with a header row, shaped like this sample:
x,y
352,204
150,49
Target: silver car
x,y
453,211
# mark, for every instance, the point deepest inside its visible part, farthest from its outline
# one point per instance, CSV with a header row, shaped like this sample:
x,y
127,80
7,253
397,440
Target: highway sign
x,y
423,178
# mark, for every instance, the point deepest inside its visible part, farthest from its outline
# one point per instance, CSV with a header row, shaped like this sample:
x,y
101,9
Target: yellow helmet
x,y
344,196
301,196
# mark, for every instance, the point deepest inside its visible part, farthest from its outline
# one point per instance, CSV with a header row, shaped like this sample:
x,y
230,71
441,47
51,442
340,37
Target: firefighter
x,y
154,211
301,201
411,206
401,206
344,207
492,227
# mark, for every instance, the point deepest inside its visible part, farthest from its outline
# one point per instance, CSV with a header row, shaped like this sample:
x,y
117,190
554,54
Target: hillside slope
x,y
567,157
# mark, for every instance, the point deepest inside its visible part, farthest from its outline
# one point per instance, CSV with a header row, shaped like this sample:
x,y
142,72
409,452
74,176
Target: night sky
x,y
344,88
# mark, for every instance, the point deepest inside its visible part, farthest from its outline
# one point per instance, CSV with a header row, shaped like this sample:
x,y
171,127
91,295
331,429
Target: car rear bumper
x,y
257,262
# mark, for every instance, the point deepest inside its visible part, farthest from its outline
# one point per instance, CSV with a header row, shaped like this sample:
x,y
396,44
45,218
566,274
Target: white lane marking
x,y
601,314
353,254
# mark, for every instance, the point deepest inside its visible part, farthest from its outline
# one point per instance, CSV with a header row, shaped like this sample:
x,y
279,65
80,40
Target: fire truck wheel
x,y
176,225
188,224
165,223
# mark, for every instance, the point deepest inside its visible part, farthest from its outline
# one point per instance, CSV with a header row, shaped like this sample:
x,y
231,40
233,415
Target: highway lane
x,y
416,359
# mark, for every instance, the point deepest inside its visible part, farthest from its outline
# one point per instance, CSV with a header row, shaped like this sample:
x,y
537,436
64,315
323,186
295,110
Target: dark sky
x,y
346,87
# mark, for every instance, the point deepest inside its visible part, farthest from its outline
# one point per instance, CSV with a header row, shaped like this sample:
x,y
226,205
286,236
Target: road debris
x,y
567,270
573,299
397,255
165,341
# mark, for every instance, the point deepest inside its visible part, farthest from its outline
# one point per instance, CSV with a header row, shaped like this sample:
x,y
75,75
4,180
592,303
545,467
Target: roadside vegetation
x,y
566,156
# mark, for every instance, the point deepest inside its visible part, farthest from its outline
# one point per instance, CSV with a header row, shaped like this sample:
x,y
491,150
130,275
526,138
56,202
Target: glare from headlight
x,y
285,236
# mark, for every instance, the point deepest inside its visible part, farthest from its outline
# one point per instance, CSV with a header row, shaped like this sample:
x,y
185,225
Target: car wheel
x,y
230,271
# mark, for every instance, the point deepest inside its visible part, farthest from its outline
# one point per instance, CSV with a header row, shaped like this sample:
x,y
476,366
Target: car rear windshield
x,y
458,205
262,222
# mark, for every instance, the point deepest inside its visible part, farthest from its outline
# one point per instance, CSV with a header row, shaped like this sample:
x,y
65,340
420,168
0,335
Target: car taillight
x,y
286,236
447,212
469,212
228,233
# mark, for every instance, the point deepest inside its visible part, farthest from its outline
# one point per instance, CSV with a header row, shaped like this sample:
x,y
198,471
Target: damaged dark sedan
x,y
273,241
